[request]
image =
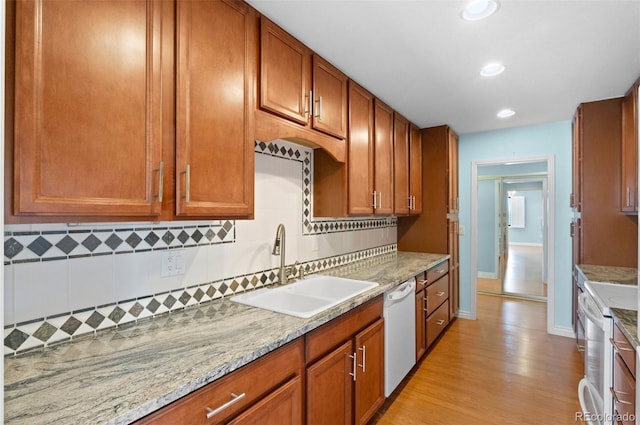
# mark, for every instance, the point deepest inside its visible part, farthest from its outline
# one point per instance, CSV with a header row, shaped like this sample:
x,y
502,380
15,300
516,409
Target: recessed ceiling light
x,y
479,9
506,113
492,69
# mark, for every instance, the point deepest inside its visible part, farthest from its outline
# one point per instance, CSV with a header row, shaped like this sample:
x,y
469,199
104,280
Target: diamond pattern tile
x,y
12,248
45,331
91,243
71,325
39,246
134,240
15,339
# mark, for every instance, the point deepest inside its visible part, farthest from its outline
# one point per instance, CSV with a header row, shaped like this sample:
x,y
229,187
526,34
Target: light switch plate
x,y
172,263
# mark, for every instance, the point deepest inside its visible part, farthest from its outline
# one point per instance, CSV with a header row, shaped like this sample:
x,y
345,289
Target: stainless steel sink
x,y
307,297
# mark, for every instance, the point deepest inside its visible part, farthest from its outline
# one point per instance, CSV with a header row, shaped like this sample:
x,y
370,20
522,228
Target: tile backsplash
x,y
65,280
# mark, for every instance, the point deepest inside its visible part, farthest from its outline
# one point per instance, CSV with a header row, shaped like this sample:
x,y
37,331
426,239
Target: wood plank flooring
x,y
502,368
523,274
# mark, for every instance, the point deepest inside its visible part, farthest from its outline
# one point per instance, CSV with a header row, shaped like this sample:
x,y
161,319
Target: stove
x,y
613,295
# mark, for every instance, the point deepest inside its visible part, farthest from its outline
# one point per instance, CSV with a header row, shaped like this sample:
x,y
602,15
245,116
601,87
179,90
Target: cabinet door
x,y
330,386
452,171
285,74
282,407
329,98
360,150
369,394
421,335
383,181
629,183
415,170
88,110
401,164
217,43
576,160
454,267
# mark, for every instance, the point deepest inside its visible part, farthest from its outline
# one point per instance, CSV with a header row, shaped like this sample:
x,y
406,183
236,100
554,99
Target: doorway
x,y
511,236
504,171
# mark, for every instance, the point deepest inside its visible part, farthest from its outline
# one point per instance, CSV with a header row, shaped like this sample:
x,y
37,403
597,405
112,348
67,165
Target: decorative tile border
x,y
64,327
67,244
311,225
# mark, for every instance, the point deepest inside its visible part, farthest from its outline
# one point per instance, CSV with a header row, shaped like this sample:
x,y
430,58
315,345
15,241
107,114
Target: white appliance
x,y
399,334
595,303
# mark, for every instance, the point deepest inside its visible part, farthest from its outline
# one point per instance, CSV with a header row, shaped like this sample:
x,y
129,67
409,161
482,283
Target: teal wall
x,y
552,139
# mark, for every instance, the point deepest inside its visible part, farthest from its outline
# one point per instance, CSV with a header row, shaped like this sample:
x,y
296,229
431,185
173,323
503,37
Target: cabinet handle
x,y
308,103
160,181
440,271
440,322
187,183
409,203
234,399
617,347
413,202
354,366
615,396
628,196
319,114
364,357
580,348
375,200
440,293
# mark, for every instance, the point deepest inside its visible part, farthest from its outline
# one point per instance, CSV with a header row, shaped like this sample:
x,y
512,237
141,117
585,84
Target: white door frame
x,y
550,160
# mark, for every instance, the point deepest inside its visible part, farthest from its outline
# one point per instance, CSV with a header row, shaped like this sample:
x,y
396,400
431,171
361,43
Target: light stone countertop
x,y
609,274
122,375
627,320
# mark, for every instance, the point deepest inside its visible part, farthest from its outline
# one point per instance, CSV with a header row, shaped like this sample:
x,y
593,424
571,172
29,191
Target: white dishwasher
x,y
399,334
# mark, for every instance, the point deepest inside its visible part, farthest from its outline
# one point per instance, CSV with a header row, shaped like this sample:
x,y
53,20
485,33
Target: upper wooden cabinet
x,y
360,150
299,85
629,182
88,108
100,133
285,73
575,201
217,44
415,170
401,204
383,136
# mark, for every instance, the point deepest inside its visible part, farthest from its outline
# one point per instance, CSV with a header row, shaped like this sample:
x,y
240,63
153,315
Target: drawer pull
x,y
440,322
234,399
160,181
580,348
440,271
615,397
440,293
617,347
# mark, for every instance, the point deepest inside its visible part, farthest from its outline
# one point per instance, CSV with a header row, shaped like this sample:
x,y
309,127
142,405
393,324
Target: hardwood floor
x,y
523,274
502,368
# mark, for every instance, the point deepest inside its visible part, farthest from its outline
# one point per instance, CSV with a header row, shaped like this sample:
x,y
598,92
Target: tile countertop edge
x,y
171,383
609,274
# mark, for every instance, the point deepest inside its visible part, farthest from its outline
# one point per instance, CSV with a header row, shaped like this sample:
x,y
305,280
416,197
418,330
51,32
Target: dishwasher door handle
x,y
402,292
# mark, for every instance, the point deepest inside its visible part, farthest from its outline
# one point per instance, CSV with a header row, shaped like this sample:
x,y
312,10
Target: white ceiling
x,y
424,61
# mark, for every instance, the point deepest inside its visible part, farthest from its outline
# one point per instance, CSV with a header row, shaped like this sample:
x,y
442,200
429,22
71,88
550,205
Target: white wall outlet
x,y
172,263
461,230
314,243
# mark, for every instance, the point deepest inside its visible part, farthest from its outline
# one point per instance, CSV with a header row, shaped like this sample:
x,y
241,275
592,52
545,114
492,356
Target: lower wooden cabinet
x,y
345,367
266,391
432,306
624,379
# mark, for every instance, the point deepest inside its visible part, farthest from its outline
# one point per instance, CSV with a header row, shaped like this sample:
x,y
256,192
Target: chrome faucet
x,y
279,248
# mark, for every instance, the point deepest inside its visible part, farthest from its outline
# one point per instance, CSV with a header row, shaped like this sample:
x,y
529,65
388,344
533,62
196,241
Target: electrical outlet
x,y
172,263
461,230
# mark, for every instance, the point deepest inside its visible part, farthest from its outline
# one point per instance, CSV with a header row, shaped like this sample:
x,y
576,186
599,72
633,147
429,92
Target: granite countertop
x,y
609,274
627,321
121,375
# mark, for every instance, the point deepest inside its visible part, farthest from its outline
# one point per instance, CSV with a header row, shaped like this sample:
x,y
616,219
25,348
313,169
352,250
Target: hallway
x,y
502,368
523,274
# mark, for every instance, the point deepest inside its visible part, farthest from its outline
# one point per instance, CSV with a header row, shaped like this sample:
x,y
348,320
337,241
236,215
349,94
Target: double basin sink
x,y
307,297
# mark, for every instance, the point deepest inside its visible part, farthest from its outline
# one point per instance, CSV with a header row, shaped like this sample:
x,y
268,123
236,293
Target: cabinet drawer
x,y
622,346
437,272
437,322
421,281
624,390
255,380
437,294
330,335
